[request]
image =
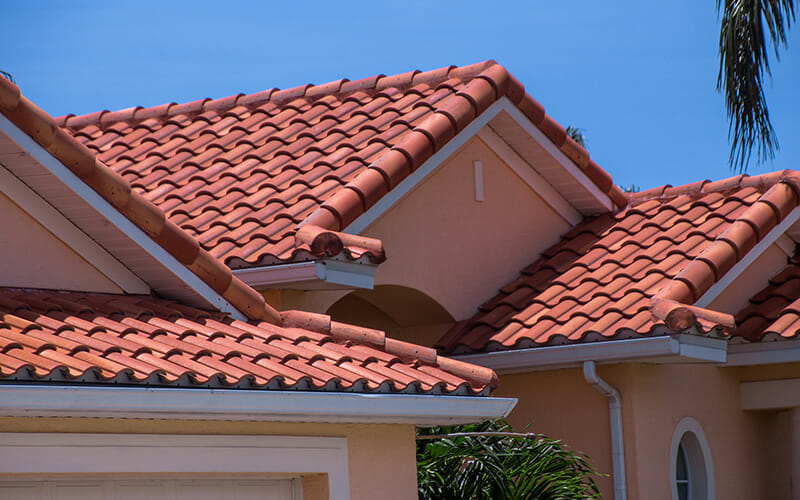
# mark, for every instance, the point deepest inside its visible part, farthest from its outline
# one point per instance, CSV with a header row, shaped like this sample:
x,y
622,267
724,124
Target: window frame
x,y
689,436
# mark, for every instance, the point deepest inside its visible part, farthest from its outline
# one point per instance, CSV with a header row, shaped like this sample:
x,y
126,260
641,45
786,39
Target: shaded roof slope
x,y
240,173
84,338
609,275
774,313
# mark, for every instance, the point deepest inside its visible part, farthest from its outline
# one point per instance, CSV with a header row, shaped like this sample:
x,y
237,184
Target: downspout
x,y
615,413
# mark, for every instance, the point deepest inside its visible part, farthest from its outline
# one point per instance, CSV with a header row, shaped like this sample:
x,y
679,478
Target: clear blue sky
x,y
637,77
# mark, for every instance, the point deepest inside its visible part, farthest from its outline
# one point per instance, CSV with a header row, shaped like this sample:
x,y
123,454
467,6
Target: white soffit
x,y
553,176
94,216
52,220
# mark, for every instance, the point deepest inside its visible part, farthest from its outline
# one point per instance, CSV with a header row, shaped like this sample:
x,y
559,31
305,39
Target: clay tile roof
x,y
114,188
241,173
80,337
637,272
774,313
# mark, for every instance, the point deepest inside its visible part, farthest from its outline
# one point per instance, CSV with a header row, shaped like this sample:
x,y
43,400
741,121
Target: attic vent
x,y
478,167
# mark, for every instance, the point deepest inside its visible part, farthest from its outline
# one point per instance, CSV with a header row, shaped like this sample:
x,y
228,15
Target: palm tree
x,y
489,461
743,60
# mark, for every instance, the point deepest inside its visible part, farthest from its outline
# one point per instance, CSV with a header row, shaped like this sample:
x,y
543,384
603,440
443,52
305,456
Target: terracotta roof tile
x,y
637,272
775,311
124,339
341,146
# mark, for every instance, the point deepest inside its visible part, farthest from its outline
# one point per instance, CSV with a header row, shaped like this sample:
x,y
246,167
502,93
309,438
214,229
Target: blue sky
x,y
637,77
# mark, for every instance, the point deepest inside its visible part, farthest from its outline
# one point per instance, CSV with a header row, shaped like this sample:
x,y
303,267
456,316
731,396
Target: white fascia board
x,y
335,272
754,253
667,348
253,405
63,229
770,394
763,353
556,153
136,235
528,175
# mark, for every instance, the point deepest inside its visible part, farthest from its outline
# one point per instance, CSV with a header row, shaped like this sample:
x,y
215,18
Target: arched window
x,y
691,471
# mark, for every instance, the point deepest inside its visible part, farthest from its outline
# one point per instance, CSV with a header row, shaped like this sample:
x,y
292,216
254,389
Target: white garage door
x,y
148,488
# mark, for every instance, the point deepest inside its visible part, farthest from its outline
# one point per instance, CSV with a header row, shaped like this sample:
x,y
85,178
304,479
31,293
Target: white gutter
x,y
615,414
316,274
254,405
763,353
672,348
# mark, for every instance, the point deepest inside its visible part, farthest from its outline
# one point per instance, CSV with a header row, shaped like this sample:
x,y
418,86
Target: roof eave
x,y
319,274
99,220
256,405
662,349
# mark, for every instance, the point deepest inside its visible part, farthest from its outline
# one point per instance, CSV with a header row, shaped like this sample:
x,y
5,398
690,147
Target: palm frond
x,y
743,61
489,461
576,134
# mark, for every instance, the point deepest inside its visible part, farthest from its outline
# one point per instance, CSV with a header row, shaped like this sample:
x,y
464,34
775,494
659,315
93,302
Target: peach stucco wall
x,y
32,257
381,457
748,449
459,251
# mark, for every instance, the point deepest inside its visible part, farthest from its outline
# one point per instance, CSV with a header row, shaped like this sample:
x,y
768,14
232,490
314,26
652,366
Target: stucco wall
x,y
459,251
32,257
381,457
749,451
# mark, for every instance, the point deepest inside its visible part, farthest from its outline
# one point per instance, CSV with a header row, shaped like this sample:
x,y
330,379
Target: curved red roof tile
x,y
48,336
241,173
637,272
86,164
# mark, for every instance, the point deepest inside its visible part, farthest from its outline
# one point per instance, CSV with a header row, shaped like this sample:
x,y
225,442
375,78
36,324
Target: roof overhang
x,y
265,406
681,348
35,169
763,353
320,274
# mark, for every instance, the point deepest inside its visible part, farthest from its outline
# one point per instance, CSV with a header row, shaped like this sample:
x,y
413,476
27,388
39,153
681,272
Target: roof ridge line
x,y
449,118
672,303
322,323
117,191
668,191
311,91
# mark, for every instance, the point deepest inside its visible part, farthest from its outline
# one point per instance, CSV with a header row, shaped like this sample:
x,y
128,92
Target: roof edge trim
x,y
81,165
68,233
264,406
667,348
135,233
324,273
763,353
760,247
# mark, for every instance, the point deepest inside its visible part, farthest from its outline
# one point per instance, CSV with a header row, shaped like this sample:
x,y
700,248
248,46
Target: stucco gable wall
x,y
459,251
32,257
752,279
